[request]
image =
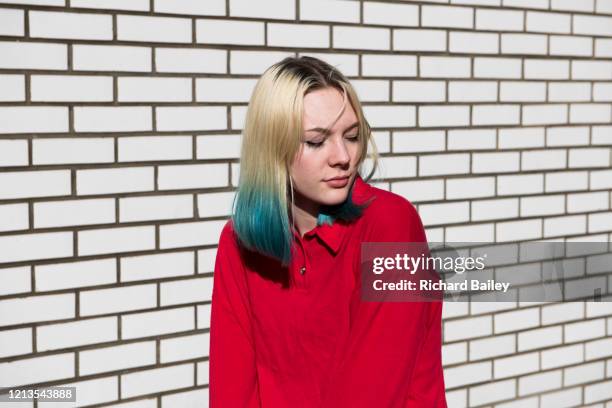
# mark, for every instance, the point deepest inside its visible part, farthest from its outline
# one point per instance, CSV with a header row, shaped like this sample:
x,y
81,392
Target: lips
x,y
338,178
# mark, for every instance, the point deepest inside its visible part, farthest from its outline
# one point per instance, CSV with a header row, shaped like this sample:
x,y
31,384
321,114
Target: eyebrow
x,y
325,131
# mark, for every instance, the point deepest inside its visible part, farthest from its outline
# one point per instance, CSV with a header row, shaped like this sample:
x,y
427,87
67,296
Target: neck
x,y
304,216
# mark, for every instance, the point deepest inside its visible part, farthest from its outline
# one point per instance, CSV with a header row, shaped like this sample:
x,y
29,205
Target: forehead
x,y
322,108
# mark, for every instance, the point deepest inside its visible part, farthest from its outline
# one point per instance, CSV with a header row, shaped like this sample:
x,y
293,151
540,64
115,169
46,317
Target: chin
x,y
338,196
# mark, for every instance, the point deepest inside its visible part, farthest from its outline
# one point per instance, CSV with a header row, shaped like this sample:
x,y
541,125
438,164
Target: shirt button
x,y
302,270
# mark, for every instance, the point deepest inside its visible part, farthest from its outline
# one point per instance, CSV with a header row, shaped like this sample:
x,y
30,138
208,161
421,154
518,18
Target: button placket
x,y
300,275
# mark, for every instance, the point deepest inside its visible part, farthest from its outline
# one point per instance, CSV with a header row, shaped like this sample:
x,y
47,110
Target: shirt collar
x,y
332,235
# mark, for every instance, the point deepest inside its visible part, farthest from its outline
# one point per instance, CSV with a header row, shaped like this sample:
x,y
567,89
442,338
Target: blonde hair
x,y
271,140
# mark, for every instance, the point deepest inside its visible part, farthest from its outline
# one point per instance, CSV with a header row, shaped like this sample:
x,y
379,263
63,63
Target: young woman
x,y
288,327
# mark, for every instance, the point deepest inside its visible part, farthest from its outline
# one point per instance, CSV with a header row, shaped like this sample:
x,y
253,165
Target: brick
x,y
497,67
75,334
492,347
476,233
602,135
445,213
540,338
602,91
390,116
568,45
567,136
142,89
603,47
585,331
229,32
418,141
157,266
191,7
603,6
419,91
113,240
347,63
598,392
390,14
93,302
416,191
13,152
454,353
203,314
496,115
224,89
590,112
540,382
33,119
36,309
330,10
298,35
494,209
215,204
445,16
75,26
557,313
157,380
184,348
516,320
546,69
544,22
24,55
186,398
543,159
527,44
37,2
35,184
521,138
468,42
73,212
495,162
177,118
446,116
185,291
158,148
516,365
112,118
419,40
119,180
471,139
73,150
542,205
75,274
192,176
520,184
262,9
493,391
371,90
189,234
471,187
441,67
95,391
11,22
568,92
24,247
188,60
568,5
591,70
135,325
544,114
14,217
15,342
592,25
151,208
389,65
238,117
255,62
218,146
37,369
589,157
13,88
600,179
136,5
566,398
440,164
467,374
562,356
598,349
519,230
153,29
467,328
15,280
522,91
506,20
457,398
111,58
583,373
586,202
467,91
117,358
566,181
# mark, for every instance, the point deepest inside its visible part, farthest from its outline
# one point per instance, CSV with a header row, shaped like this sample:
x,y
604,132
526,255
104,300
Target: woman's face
x,y
324,156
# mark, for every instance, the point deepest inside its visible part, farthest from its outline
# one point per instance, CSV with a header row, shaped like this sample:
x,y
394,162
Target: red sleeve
x,y
375,366
232,369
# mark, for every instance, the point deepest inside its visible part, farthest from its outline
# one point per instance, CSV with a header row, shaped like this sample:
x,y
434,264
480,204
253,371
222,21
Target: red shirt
x,y
301,337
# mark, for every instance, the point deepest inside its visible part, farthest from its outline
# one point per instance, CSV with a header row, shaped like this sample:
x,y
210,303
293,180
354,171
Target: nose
x,y
339,154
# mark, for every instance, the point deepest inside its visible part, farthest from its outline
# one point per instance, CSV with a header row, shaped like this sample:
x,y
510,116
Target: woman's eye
x,y
314,144
353,138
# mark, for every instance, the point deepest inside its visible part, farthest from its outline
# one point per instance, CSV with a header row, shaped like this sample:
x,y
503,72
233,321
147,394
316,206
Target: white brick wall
x,y
120,129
